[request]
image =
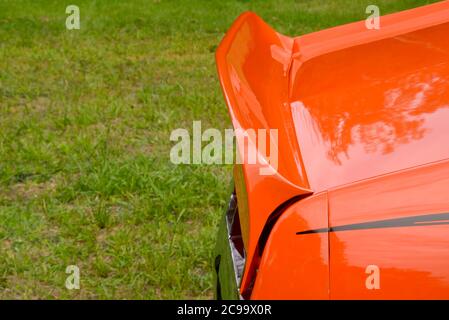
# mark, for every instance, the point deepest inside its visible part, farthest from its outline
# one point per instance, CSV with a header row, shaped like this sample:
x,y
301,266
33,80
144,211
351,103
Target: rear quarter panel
x,y
412,256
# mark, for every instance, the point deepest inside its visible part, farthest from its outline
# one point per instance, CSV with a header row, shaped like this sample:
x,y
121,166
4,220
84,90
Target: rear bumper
x,y
229,263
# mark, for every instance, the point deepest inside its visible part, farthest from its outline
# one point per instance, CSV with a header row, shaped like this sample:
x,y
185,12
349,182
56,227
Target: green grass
x,y
85,120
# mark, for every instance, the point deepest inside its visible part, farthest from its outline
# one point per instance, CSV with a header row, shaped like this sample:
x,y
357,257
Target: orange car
x,y
358,205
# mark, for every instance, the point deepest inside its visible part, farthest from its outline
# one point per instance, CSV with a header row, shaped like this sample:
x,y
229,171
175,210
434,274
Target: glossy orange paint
x,y
363,111
350,104
292,266
413,260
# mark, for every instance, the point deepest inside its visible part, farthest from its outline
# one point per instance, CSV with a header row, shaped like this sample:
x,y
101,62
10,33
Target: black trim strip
x,y
414,221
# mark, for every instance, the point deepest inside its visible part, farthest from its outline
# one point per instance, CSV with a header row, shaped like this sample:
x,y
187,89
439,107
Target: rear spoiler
x,y
253,64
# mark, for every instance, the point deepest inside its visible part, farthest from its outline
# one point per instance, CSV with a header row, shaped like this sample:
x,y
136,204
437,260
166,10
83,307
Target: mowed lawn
x,y
85,121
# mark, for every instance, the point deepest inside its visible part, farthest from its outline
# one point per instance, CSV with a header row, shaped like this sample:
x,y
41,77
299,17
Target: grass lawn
x,y
85,120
